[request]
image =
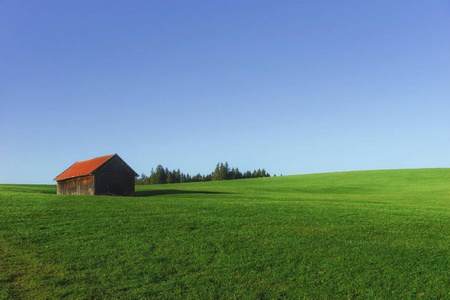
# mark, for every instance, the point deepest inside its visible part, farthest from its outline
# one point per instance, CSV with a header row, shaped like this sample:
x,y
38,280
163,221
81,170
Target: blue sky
x,y
290,86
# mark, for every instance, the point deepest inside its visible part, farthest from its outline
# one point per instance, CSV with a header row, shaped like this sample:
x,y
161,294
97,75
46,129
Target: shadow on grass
x,y
174,192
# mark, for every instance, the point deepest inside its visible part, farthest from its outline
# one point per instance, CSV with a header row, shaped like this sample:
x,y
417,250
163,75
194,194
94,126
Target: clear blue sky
x,y
291,86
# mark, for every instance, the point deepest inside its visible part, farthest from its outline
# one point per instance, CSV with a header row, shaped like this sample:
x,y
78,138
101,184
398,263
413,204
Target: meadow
x,y
357,235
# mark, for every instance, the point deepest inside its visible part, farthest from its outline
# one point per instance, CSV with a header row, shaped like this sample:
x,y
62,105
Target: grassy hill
x,y
373,234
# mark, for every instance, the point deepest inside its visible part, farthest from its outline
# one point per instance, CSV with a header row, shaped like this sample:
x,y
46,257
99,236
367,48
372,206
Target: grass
x,y
373,234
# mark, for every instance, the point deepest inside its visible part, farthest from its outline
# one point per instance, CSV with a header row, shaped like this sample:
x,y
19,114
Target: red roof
x,y
83,168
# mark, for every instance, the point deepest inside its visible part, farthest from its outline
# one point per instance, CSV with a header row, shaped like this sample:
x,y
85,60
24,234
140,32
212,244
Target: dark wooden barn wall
x,y
114,178
114,184
77,186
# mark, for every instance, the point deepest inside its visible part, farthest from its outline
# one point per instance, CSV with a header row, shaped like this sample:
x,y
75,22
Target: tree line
x,y
222,172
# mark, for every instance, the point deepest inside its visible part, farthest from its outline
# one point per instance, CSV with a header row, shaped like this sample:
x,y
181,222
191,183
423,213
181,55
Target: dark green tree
x,y
216,173
159,176
169,177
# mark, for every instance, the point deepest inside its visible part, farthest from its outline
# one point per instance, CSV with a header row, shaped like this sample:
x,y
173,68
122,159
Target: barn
x,y
105,175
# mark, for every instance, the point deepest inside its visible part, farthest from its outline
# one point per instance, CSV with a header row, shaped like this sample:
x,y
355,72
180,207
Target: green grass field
x,y
374,234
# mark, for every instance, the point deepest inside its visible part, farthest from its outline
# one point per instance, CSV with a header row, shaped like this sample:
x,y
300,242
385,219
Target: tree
x,y
177,176
159,176
216,173
232,174
263,173
225,174
169,177
141,179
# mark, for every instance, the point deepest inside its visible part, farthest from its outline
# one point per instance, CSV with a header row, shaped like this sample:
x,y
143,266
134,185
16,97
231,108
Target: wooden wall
x,y
114,178
77,186
114,184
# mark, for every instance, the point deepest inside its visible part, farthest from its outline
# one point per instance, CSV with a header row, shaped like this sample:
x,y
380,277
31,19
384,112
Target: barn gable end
x,y
114,177
105,175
